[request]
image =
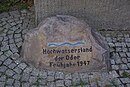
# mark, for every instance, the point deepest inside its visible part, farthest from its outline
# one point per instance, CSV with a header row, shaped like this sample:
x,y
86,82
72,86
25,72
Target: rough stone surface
x,y
99,14
84,49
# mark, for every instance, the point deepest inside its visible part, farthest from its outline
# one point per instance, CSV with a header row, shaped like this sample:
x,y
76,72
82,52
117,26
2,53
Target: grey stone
x,y
15,13
115,67
127,39
22,66
7,62
3,78
68,76
50,78
60,83
12,65
35,72
10,32
17,35
28,70
10,72
10,81
15,56
19,44
68,83
3,68
25,84
42,81
8,53
128,54
4,14
123,66
1,53
3,57
17,70
2,84
11,41
25,77
125,80
124,60
7,26
5,48
35,57
51,84
17,83
17,76
112,61
59,75
18,31
32,79
122,54
10,20
43,74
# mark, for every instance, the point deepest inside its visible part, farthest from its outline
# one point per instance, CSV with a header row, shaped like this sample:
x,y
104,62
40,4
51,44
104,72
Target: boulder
x,y
65,43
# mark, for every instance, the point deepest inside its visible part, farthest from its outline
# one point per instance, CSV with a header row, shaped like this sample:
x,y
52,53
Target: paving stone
x,y
8,53
125,80
7,26
124,60
9,81
128,64
14,50
7,62
17,76
127,39
3,68
51,84
3,78
118,61
114,74
10,32
32,79
4,14
68,83
43,74
15,56
18,31
28,70
122,54
5,48
14,28
25,84
59,75
50,78
128,54
11,41
10,72
14,14
42,81
123,66
68,76
17,70
3,57
60,83
17,83
22,66
18,40
112,61
19,44
2,84
35,72
25,77
17,35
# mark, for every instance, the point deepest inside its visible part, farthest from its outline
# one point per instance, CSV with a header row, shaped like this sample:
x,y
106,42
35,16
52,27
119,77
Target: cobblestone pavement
x,y
14,72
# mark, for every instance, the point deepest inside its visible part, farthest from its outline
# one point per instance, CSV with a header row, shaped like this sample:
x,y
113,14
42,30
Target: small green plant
x,y
126,74
112,83
81,83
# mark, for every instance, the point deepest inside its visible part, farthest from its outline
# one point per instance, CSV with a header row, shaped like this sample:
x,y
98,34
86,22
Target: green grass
x,y
81,83
126,74
12,4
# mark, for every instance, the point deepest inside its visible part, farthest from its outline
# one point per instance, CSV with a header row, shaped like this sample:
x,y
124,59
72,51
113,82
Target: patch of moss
x,y
126,74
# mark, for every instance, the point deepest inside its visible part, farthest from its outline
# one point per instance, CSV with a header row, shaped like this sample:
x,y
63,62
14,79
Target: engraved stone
x,y
65,43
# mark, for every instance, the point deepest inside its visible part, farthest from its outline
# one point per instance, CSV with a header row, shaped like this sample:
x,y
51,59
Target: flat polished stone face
x,y
65,43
